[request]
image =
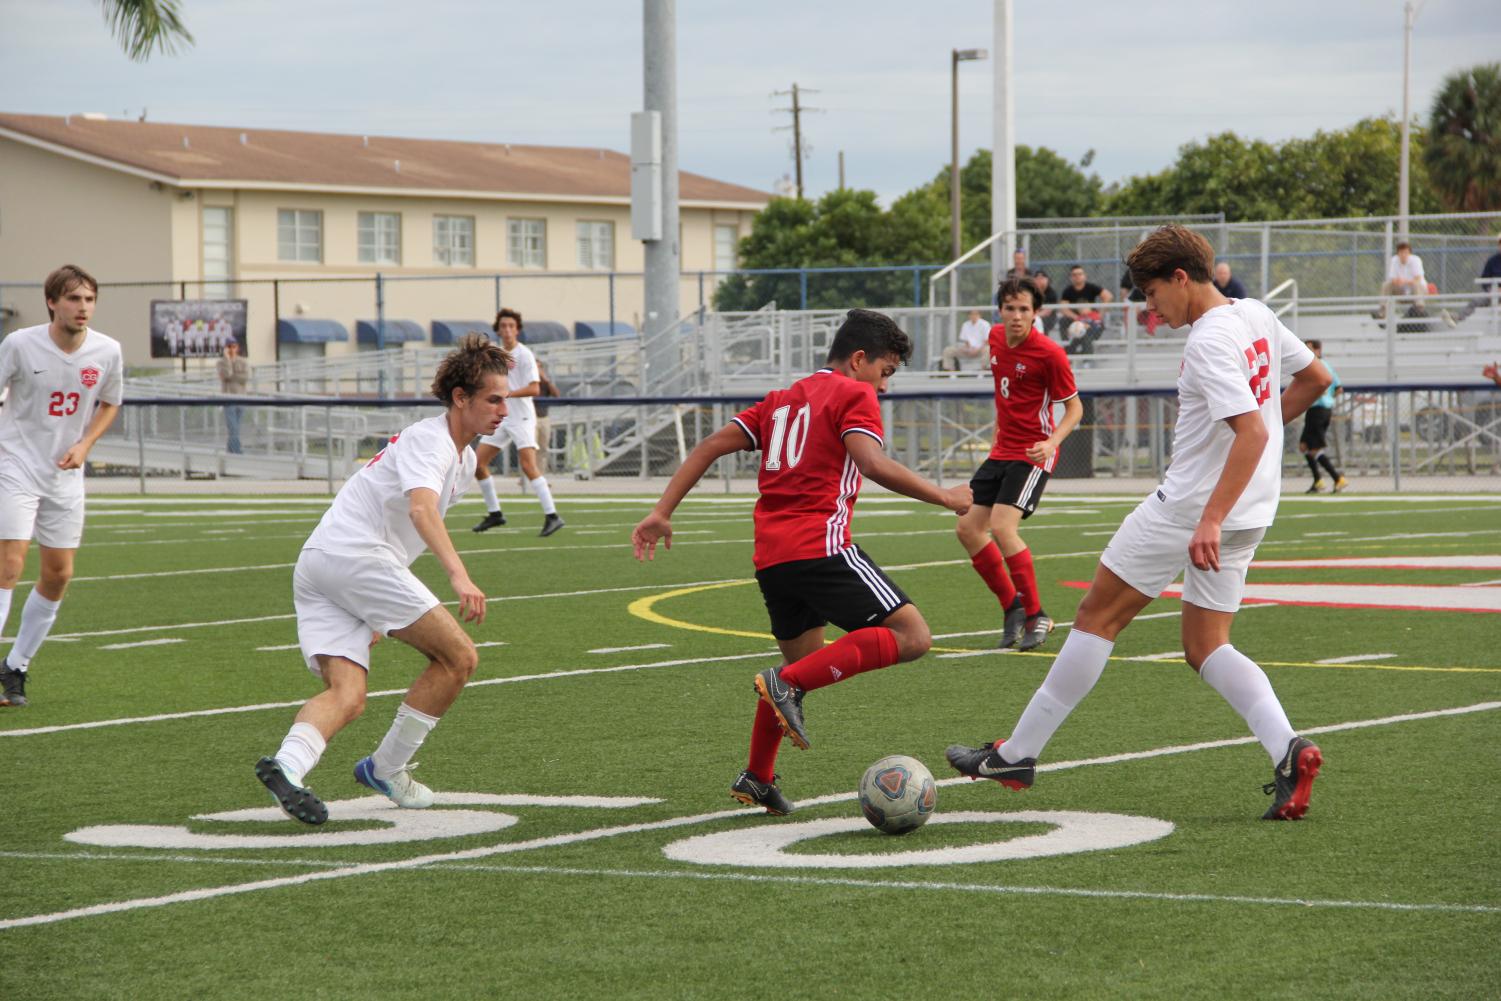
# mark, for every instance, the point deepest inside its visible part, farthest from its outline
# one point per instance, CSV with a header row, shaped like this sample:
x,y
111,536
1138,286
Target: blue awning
x,y
543,332
396,331
304,331
451,331
602,328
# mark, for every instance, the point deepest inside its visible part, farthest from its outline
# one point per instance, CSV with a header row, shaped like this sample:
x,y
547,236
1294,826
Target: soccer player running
x,y
1031,373
520,426
352,579
65,384
1316,429
817,439
1206,519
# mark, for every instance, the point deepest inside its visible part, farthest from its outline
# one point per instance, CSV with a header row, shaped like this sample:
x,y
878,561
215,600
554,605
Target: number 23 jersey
x,y
52,399
808,482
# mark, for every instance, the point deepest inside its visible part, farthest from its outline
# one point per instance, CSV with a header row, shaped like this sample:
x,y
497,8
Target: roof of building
x,y
218,157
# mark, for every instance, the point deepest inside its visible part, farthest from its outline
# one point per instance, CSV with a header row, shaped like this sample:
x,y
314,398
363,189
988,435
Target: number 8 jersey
x,y
808,482
51,400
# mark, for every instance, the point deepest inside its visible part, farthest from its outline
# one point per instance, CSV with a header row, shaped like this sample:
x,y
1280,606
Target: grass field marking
x,y
561,840
1356,658
1168,655
258,707
129,646
627,649
277,649
645,608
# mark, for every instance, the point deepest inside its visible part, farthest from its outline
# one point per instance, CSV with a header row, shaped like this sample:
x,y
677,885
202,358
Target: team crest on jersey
x,y
89,377
1021,369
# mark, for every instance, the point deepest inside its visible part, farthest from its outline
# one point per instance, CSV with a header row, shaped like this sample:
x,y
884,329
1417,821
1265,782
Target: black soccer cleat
x,y
753,792
492,519
550,524
297,802
1292,782
986,763
1016,623
14,686
1038,627
786,701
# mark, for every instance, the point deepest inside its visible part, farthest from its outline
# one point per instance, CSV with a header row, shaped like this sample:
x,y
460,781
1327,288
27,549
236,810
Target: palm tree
x,y
144,25
1463,153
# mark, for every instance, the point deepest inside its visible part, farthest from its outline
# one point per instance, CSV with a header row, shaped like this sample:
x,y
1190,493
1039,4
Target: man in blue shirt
x,y
1490,278
1316,427
1228,285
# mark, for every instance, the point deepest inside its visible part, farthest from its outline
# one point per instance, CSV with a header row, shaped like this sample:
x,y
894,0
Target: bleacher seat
x,y
543,332
447,332
602,328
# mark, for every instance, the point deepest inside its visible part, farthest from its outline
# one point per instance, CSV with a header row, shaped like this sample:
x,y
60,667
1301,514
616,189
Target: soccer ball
x,y
897,794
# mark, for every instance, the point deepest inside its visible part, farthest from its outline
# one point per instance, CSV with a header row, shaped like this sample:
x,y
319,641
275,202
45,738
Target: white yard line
x,y
560,840
1356,658
128,646
1168,655
626,649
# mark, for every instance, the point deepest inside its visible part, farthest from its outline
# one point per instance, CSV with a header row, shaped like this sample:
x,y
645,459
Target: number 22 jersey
x,y
808,482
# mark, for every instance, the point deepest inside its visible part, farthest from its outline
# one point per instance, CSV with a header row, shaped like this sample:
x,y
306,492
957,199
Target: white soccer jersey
x,y
52,399
1233,363
371,514
523,373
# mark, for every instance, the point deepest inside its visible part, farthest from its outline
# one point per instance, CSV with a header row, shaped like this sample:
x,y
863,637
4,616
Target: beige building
x,y
453,228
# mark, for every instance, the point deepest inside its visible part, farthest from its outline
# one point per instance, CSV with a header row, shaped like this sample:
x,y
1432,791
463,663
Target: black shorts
x,y
848,590
1009,481
1315,427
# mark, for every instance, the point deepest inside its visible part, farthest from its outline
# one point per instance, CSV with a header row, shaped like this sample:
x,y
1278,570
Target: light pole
x,y
1409,15
959,56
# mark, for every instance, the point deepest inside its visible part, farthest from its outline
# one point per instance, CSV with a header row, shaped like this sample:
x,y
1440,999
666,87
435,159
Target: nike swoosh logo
x,y
985,769
38,371
778,689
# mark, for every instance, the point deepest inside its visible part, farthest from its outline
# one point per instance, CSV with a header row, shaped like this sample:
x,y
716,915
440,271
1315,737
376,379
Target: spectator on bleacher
x,y
1490,283
974,336
1228,285
1082,326
1048,317
1404,277
234,376
1018,265
1492,372
1130,293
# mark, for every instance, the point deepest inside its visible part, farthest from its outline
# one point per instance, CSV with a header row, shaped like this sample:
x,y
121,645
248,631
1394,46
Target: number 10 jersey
x,y
808,482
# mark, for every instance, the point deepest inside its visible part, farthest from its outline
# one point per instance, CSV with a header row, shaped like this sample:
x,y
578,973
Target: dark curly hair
x,y
874,333
466,366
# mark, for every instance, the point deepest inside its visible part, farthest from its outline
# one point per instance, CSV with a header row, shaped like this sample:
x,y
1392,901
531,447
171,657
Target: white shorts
x,y
54,519
342,600
1148,552
520,431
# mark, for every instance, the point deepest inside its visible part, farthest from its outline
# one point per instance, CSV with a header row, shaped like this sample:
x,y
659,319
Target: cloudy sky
x,y
1131,81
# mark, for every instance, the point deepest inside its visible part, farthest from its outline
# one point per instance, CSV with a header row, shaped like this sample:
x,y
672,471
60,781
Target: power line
x,y
799,149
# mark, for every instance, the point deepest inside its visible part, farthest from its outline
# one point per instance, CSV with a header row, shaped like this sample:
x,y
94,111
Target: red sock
x,y
1020,565
991,567
853,653
766,739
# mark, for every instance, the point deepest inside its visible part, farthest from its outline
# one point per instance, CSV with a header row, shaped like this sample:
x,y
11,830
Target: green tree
x,y
1463,153
144,25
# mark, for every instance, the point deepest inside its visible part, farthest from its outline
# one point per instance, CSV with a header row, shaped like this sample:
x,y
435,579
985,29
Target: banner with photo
x,y
196,328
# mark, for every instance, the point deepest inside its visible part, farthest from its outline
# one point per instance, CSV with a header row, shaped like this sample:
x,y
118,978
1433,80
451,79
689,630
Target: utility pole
x,y
1003,157
659,63
797,110
1409,15
958,56
841,170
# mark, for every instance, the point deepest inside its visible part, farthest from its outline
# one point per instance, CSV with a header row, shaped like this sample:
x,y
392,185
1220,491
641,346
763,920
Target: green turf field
x,y
587,768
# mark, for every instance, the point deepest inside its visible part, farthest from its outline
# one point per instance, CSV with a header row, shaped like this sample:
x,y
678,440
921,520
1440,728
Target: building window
x,y
596,243
299,235
218,252
380,238
453,240
726,241
526,243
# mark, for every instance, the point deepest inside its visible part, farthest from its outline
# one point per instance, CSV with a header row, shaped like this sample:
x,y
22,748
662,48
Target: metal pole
x,y
955,245
1003,161
328,444
380,329
141,448
612,304
1402,203
660,73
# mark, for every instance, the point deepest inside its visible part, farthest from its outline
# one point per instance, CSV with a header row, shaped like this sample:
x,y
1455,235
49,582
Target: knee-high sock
x,y
487,487
1324,461
1025,579
991,567
1245,686
6,595
766,739
300,750
1313,465
1075,670
37,616
852,654
544,495
408,730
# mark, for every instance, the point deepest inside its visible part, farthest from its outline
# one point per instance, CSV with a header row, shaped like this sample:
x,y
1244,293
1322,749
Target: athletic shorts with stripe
x,y
1009,481
847,589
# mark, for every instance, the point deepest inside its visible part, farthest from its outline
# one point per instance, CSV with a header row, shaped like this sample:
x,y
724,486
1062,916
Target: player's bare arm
x,y
1240,465
876,465
1307,385
423,510
533,388
104,416
1073,412
657,526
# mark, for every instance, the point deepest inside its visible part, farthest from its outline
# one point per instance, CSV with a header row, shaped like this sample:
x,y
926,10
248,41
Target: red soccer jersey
x,y
808,481
1029,379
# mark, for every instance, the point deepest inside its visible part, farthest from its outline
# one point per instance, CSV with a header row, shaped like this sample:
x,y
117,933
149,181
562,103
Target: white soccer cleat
x,y
401,789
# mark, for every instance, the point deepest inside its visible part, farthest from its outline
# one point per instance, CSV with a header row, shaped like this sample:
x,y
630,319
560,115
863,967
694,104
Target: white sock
x,y
5,597
1075,670
300,751
487,487
1245,686
544,495
408,730
37,616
